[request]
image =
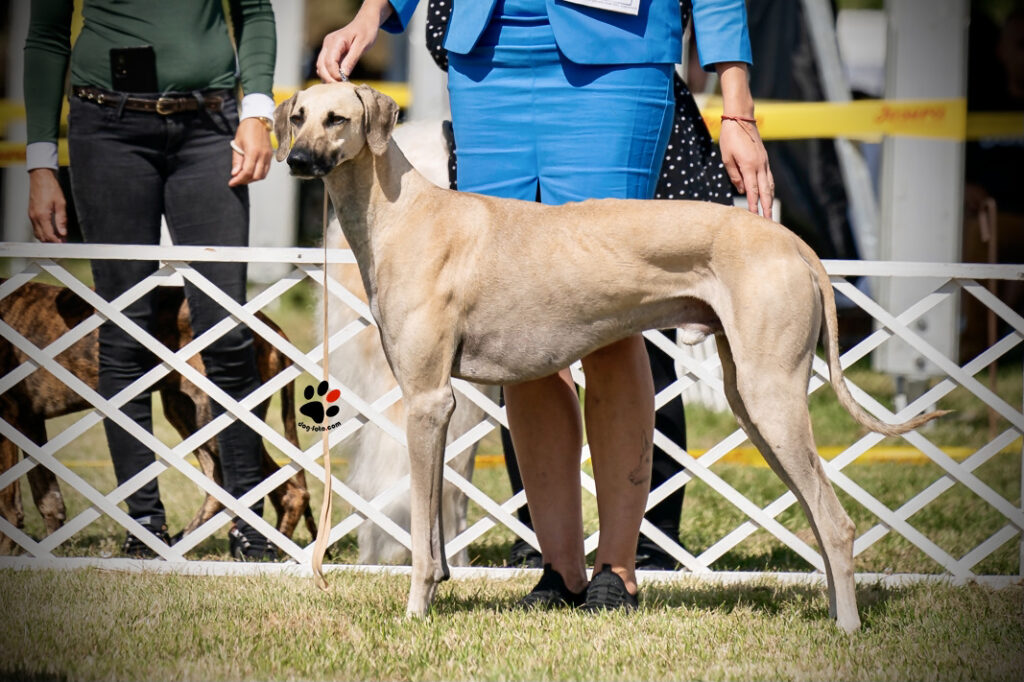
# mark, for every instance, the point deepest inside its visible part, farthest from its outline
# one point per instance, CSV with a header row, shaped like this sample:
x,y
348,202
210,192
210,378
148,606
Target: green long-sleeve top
x,y
189,37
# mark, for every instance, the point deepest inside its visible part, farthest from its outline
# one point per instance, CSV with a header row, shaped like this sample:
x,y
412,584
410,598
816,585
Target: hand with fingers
x,y
342,49
47,208
743,152
251,152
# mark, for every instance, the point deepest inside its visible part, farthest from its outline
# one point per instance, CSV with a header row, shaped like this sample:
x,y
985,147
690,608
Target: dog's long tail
x,y
830,338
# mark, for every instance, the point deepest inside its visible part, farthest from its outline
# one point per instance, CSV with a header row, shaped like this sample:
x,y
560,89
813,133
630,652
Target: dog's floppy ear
x,y
282,127
380,113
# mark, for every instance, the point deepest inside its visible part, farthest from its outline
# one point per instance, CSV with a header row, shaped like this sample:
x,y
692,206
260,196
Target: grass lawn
x,y
94,624
99,624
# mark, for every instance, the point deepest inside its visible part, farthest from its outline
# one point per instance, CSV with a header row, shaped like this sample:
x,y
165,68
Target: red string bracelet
x,y
739,118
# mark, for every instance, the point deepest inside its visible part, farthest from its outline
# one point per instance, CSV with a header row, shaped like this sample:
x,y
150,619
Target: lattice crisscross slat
x,y
696,370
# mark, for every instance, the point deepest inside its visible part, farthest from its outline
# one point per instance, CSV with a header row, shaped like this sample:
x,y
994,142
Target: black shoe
x,y
607,591
523,555
248,544
651,557
551,593
135,548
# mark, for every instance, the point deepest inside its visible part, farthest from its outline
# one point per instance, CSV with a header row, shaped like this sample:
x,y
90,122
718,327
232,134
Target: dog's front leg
x,y
10,497
426,427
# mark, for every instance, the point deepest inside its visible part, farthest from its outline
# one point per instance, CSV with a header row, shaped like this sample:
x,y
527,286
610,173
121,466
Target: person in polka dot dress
x,y
692,169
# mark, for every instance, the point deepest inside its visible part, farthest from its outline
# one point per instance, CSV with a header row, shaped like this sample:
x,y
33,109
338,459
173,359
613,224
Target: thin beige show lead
x,y
323,531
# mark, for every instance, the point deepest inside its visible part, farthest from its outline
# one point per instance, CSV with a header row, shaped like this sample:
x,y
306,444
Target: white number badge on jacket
x,y
623,6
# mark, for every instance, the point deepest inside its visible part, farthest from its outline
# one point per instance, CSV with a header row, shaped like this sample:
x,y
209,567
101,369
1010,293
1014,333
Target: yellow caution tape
x,y
743,456
11,111
1000,124
13,153
749,455
865,120
396,90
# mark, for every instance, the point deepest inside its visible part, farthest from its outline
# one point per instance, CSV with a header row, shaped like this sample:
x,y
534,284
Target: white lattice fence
x,y
696,369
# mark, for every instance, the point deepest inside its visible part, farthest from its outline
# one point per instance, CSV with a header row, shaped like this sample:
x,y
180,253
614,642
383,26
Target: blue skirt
x,y
530,124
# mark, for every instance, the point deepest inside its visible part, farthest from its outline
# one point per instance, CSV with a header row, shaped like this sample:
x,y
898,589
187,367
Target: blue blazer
x,y
595,36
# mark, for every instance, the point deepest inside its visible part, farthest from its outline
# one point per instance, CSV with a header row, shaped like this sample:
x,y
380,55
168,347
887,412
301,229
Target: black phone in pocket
x,y
133,69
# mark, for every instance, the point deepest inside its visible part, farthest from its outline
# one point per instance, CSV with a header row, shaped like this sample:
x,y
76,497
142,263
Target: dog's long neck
x,y
369,194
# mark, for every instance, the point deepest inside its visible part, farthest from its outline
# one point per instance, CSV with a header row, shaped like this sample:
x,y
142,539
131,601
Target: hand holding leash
x,y
252,152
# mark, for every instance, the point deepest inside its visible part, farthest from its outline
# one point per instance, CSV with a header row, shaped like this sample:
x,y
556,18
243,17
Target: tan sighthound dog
x,y
500,291
376,461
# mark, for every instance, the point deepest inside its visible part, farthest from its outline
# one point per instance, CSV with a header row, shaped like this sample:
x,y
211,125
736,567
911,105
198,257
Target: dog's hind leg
x,y
429,412
45,487
290,499
187,417
47,496
770,402
10,496
295,498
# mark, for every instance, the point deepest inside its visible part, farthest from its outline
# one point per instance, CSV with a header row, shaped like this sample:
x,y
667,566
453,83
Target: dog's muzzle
x,y
304,162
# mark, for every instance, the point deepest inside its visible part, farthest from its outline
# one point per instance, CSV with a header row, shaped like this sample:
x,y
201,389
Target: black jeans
x,y
669,419
127,169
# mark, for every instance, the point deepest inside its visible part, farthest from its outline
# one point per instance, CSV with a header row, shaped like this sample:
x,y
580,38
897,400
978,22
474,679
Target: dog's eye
x,y
334,119
297,118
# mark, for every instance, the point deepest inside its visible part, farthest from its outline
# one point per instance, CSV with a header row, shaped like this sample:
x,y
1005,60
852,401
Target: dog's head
x,y
323,126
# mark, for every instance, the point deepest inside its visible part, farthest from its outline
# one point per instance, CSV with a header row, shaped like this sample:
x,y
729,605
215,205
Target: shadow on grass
x,y
776,558
767,596
811,602
25,676
489,554
98,543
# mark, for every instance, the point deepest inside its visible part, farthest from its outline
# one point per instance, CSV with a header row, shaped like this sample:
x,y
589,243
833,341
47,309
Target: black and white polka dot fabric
x,y
438,12
692,168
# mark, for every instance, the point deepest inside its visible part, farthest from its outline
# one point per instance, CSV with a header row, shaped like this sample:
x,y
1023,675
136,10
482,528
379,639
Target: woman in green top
x,y
154,130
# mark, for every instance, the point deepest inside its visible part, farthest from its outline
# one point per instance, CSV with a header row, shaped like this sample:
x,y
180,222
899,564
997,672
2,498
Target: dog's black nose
x,y
300,161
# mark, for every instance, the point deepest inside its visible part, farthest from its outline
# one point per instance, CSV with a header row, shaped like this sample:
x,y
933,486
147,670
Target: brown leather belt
x,y
164,105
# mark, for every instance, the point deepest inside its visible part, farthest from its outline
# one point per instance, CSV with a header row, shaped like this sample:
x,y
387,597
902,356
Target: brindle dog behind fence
x,y
42,313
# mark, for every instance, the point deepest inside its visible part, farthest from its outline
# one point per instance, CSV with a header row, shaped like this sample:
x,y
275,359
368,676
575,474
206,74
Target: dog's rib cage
x,y
696,370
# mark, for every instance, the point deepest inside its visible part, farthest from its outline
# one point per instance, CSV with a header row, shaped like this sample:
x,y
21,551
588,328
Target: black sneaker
x,y
135,548
651,557
523,555
607,592
248,544
551,593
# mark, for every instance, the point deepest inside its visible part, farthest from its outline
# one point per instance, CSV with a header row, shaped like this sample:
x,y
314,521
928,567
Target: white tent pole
x,y
864,214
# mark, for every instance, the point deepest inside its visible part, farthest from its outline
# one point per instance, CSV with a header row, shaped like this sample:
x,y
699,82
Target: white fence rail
x,y
28,261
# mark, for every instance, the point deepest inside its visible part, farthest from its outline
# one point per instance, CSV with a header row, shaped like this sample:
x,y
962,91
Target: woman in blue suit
x,y
556,101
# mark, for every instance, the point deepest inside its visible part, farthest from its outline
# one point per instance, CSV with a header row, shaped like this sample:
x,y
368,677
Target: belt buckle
x,y
165,106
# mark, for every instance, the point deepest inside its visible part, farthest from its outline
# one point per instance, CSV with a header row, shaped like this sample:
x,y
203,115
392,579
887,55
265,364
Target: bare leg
x,y
545,421
547,431
620,427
